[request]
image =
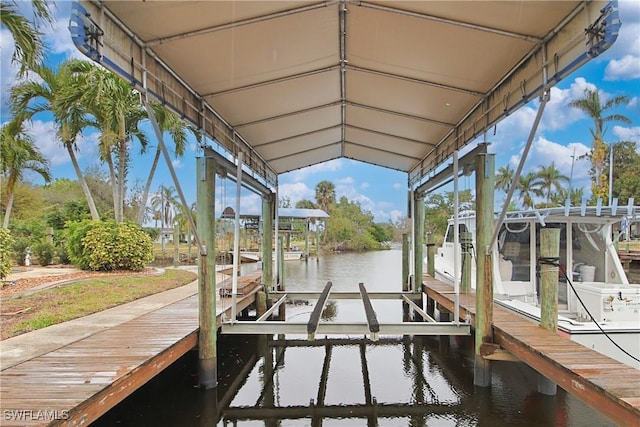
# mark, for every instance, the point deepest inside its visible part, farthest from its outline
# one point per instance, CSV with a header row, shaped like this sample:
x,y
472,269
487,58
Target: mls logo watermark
x,y
35,414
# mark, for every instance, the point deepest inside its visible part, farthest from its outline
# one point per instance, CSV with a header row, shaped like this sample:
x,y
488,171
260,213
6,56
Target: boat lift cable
x,y
516,176
554,261
163,148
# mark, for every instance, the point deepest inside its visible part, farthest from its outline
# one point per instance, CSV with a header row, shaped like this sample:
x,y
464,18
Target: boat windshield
x,y
585,260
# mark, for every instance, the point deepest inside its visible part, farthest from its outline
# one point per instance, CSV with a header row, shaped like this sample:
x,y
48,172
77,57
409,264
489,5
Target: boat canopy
x,y
399,84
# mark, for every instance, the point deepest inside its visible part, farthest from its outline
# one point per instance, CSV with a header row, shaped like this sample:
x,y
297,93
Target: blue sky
x,y
381,191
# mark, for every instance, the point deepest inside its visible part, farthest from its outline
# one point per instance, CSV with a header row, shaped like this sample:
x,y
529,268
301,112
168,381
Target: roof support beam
x,y
377,132
237,24
282,116
269,82
343,70
396,113
526,37
248,182
413,80
465,165
388,152
289,138
320,147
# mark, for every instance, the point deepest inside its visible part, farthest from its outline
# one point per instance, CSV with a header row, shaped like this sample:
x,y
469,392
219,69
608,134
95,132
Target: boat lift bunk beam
x,y
371,327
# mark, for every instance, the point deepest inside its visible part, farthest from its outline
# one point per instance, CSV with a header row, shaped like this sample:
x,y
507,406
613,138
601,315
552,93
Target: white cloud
x,y
296,191
7,70
44,136
628,134
58,39
364,185
626,68
395,215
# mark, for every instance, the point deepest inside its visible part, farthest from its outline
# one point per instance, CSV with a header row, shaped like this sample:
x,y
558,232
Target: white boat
x,y
252,256
597,305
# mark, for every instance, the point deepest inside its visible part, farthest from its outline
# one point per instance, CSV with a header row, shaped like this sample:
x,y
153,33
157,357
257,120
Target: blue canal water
x,y
397,381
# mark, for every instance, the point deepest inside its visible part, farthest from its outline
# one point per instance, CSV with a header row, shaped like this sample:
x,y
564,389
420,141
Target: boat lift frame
x,y
371,327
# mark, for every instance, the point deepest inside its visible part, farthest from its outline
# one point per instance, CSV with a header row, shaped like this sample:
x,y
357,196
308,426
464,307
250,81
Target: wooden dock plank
x,y
603,383
85,379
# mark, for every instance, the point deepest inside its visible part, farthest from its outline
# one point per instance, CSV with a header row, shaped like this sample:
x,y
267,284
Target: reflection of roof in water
x,y
229,213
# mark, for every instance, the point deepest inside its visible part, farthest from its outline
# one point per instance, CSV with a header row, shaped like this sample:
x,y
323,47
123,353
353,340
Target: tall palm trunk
x,y
83,183
122,167
12,179
7,212
114,184
147,187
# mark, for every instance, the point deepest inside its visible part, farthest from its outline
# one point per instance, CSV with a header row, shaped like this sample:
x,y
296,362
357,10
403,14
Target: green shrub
x,y
63,255
75,232
6,245
106,245
44,252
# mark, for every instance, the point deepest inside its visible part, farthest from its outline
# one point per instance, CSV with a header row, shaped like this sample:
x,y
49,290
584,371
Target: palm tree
x,y
118,112
18,154
528,188
164,202
504,178
325,195
595,109
550,178
182,221
561,196
29,47
171,123
59,92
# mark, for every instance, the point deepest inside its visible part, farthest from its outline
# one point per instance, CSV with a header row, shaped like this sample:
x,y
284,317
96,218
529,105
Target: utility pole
x,y
573,160
610,172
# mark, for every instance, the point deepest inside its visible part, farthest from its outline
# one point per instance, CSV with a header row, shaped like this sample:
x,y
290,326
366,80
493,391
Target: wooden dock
x,y
76,384
605,384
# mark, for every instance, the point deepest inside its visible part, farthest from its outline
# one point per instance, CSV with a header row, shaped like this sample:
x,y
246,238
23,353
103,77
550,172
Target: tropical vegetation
x,y
81,97
597,109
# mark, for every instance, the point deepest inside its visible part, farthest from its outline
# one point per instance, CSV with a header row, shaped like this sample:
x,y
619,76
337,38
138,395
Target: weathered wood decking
x,y
76,384
603,383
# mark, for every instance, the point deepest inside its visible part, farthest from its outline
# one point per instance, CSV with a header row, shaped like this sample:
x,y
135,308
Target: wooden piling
x,y
466,244
282,313
267,241
431,254
306,241
549,253
485,174
207,367
418,221
405,262
261,303
281,281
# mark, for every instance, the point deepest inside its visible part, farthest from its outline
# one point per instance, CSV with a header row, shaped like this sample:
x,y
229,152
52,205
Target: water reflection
x,y
396,381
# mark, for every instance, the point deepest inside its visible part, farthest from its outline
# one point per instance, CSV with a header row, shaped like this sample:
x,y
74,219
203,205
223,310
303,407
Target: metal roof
x,y
297,213
399,84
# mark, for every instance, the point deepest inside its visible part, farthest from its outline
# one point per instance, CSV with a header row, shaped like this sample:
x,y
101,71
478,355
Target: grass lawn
x,y
56,305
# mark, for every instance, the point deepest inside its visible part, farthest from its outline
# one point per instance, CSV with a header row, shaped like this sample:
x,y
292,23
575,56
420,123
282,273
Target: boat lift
x,y
371,327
